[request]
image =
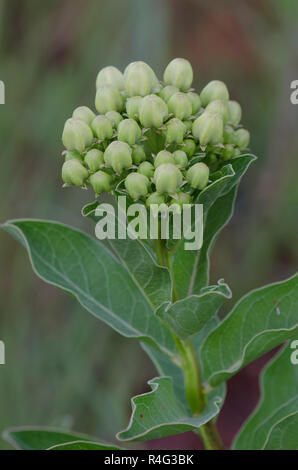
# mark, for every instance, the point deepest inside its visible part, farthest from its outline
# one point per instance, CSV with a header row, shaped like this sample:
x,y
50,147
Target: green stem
x,y
190,366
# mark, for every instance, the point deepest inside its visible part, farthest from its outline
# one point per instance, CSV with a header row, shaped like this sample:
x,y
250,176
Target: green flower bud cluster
x,y
155,140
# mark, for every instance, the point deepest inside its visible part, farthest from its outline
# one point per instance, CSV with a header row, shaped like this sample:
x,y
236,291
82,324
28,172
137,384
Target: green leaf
x,y
85,445
159,413
152,278
188,316
261,320
284,435
40,438
275,414
191,268
82,266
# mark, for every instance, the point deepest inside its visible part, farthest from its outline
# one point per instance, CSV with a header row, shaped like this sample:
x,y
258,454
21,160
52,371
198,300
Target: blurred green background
x,y
64,367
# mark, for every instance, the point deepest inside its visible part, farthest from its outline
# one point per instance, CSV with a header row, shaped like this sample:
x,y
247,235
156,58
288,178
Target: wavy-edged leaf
x,y
188,316
85,445
42,438
139,262
261,320
84,267
279,401
158,413
284,435
191,268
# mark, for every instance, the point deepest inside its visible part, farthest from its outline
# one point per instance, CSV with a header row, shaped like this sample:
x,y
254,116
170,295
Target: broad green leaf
x,y
40,438
159,413
153,279
284,435
191,268
278,402
261,320
85,445
82,266
188,316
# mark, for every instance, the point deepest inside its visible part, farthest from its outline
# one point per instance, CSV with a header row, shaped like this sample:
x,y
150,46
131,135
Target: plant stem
x,y
190,366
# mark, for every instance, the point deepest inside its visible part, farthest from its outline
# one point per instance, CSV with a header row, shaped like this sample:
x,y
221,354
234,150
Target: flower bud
x,y
102,127
215,90
235,112
242,138
195,101
74,173
168,178
176,131
101,182
189,147
108,99
73,155
133,106
137,185
146,169
110,76
140,80
77,135
163,157
228,135
138,154
180,158
129,131
179,73
198,175
219,107
118,156
153,111
228,152
115,118
208,128
167,92
84,114
181,199
155,198
180,105
94,159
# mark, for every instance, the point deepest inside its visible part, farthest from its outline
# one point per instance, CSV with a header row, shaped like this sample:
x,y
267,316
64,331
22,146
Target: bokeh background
x,y
64,367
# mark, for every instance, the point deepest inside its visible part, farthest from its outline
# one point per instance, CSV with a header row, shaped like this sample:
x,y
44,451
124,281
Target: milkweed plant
x,y
161,143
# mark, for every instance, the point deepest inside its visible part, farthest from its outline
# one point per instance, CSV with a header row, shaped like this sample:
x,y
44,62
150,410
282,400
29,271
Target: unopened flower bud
x,y
137,185
215,90
138,154
189,147
179,73
146,169
118,156
242,138
115,118
176,131
107,99
180,105
129,131
163,157
140,80
228,152
77,135
219,107
208,128
74,173
155,198
102,127
168,178
73,155
228,135
84,114
181,199
133,106
110,76
235,112
180,158
167,92
195,101
101,182
94,160
153,111
198,175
